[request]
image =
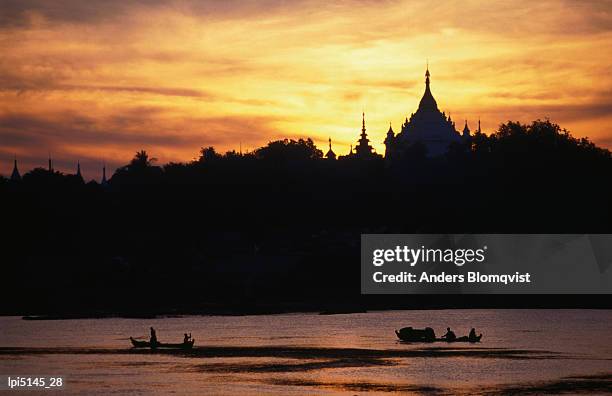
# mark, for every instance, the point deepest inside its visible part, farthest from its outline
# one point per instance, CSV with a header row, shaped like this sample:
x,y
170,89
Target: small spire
x,y
363,128
15,176
363,148
50,164
390,136
79,169
466,129
479,131
104,181
330,154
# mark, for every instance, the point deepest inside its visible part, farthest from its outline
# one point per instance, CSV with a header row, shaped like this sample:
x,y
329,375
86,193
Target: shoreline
x,y
257,312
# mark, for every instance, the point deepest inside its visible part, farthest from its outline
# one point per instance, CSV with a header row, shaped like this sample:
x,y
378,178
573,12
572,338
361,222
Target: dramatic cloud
x,y
93,80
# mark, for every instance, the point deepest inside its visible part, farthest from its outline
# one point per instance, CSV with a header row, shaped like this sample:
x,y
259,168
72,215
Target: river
x,y
522,351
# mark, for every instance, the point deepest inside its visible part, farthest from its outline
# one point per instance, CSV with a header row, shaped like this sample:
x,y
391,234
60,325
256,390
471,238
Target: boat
x,y
408,334
162,345
462,339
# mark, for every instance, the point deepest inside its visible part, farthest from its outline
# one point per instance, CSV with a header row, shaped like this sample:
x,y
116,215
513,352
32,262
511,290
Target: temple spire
x,y
466,129
363,128
428,126
364,135
330,154
428,103
104,182
363,148
78,175
15,176
389,141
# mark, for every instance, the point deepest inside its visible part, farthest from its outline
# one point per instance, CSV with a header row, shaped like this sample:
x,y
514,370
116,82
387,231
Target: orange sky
x,y
87,80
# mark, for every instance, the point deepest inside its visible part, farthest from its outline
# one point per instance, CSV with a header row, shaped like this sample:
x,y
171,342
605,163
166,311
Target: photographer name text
x,y
458,257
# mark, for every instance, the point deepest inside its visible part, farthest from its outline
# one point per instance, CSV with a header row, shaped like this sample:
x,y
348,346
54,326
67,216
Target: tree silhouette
x,y
208,154
289,151
141,160
140,170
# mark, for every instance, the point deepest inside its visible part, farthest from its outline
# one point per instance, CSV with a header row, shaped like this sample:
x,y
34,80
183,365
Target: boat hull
x,y
161,345
408,334
461,339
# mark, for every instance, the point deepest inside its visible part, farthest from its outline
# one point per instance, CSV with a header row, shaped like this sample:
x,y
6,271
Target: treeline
x,y
280,225
541,146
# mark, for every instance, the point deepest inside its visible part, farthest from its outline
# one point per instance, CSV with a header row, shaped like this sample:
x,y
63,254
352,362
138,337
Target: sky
x,y
95,81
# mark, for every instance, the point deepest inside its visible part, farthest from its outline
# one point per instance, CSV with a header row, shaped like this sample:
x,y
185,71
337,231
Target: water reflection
x,y
307,353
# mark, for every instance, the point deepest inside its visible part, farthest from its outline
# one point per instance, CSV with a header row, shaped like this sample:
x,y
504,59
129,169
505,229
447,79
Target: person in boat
x,y
473,337
153,339
450,335
187,338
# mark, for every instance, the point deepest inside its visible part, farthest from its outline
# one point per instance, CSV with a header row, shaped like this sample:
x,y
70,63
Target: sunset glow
x,y
95,81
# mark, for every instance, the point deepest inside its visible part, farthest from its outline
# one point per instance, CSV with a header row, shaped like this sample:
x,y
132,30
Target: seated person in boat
x,y
473,337
187,338
450,335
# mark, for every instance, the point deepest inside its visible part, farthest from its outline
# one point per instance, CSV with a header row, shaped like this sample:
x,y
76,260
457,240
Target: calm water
x,y
313,354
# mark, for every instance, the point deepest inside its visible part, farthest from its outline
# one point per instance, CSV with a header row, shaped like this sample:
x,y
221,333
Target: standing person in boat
x,y
450,335
153,339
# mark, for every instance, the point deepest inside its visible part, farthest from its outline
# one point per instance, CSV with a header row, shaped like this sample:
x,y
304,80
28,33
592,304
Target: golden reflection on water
x,y
311,354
